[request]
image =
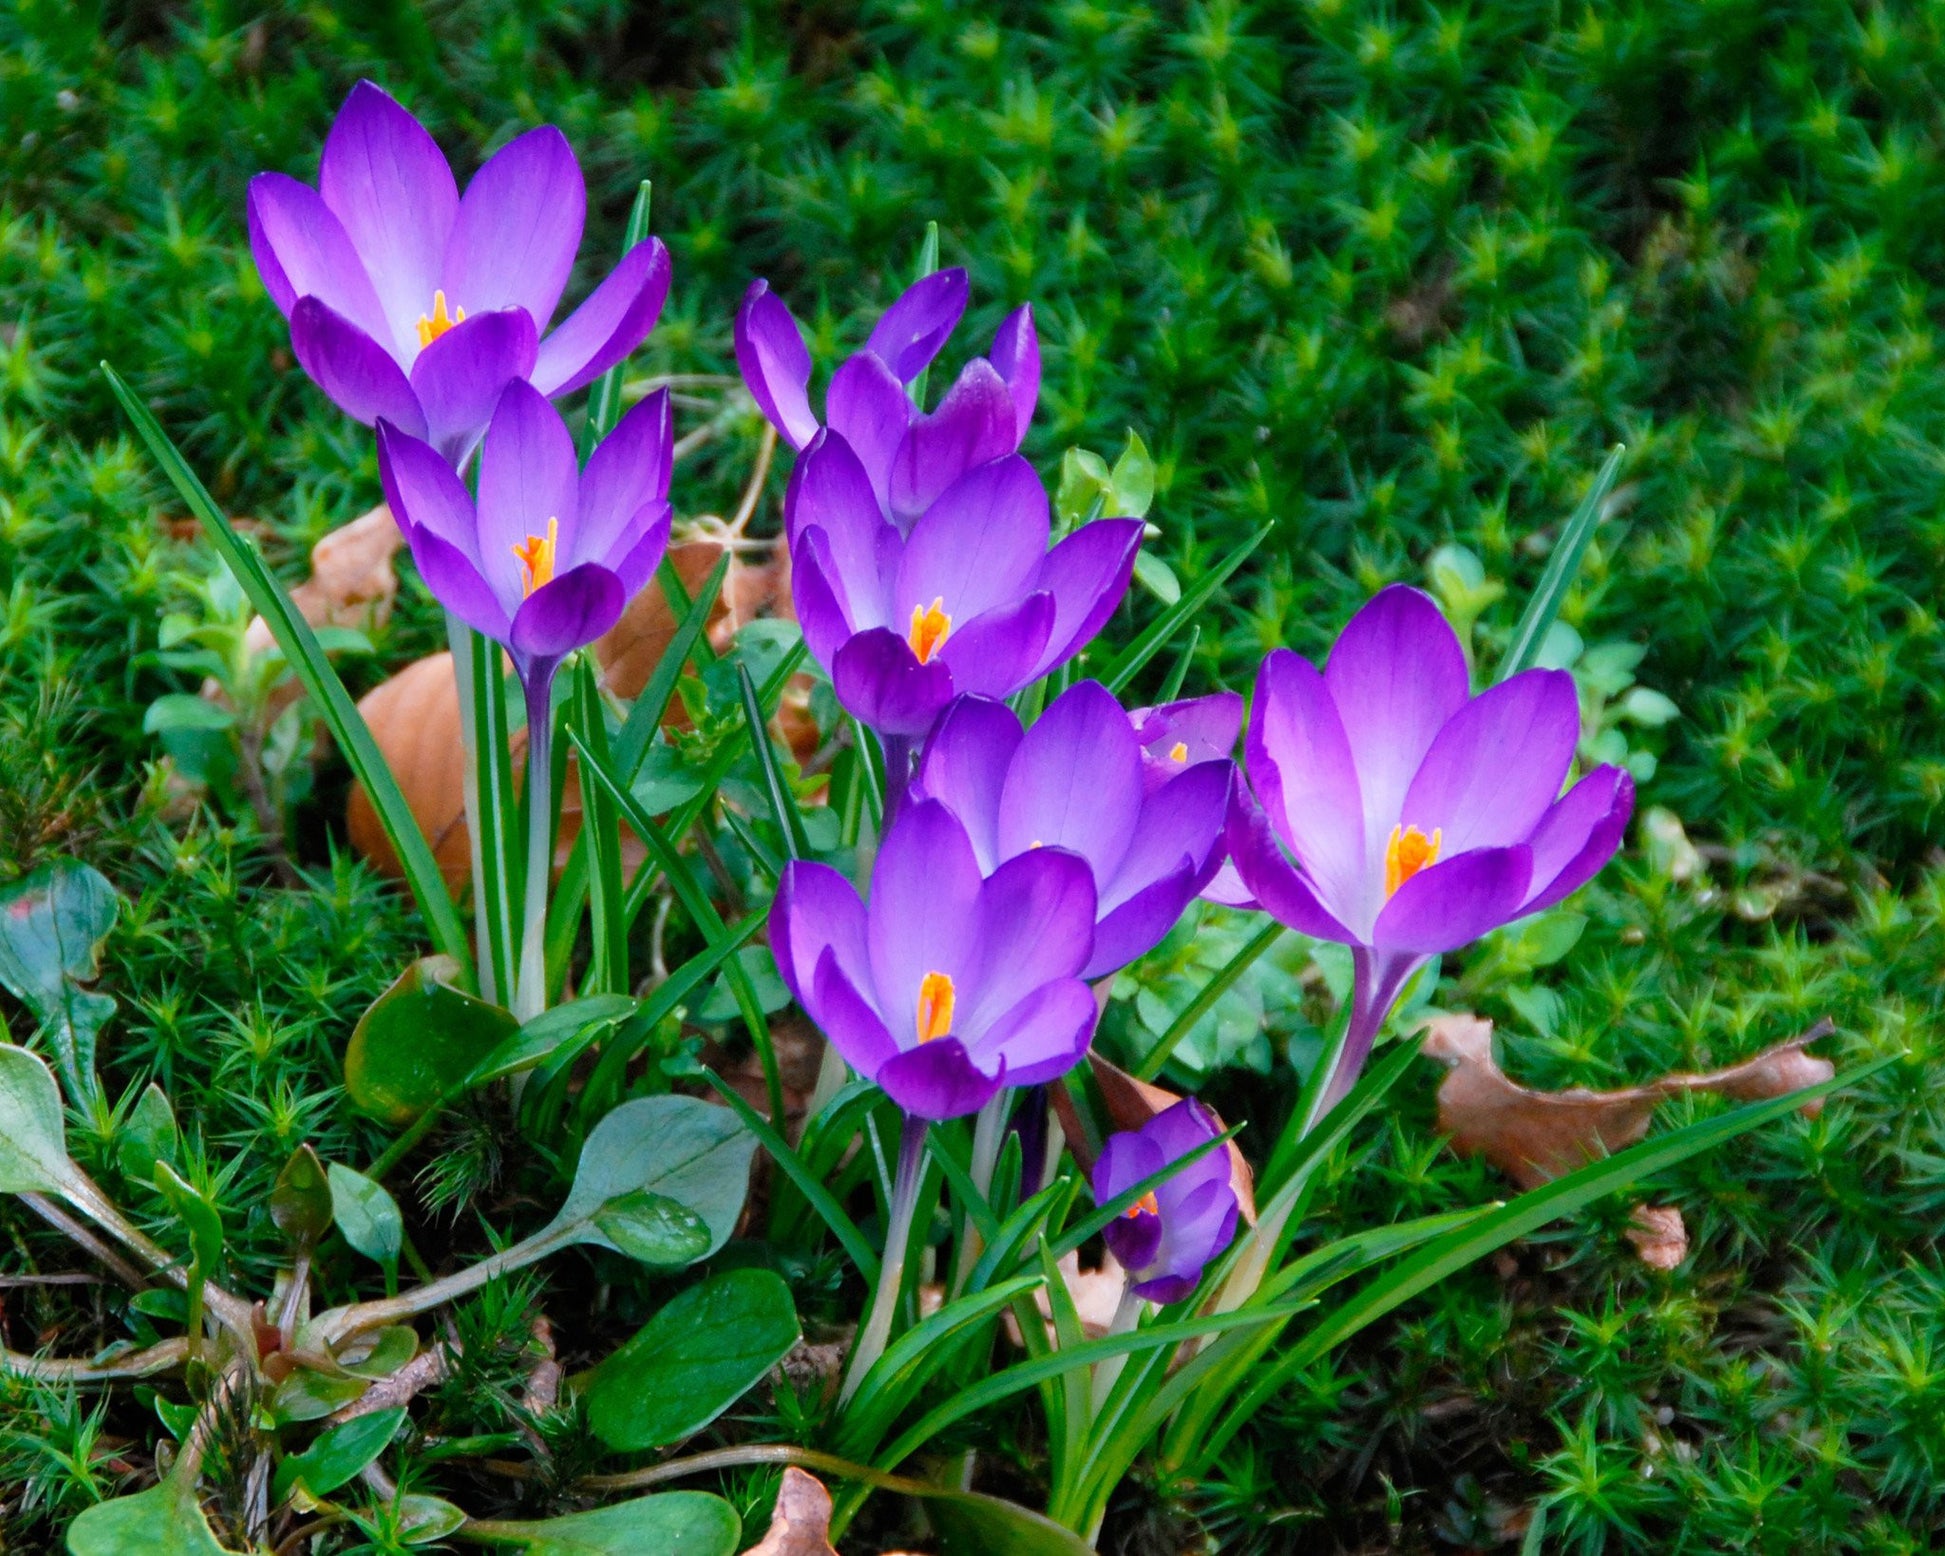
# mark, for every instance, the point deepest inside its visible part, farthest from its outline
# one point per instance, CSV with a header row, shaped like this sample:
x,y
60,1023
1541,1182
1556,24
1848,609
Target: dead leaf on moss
x,y
1536,1136
634,646
801,1524
1096,1295
1659,1235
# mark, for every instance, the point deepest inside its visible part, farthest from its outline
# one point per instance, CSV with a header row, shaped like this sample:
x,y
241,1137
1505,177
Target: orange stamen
x,y
935,1001
435,324
1408,852
1147,1203
930,627
537,558
1179,752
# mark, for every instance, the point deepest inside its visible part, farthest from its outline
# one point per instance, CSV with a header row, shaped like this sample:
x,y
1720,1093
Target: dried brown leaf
x,y
1659,1235
801,1524
1096,1294
1536,1136
634,646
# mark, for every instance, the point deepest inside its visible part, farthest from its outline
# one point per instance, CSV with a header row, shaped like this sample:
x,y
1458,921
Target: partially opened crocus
x,y
1076,781
414,304
1177,735
1416,816
909,456
1168,1236
947,983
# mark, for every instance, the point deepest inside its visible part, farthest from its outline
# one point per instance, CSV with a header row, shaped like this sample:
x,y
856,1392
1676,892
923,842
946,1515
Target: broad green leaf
x,y
309,1395
52,923
759,968
184,710
972,1524
33,1135
1132,481
692,1360
162,1521
147,1137
654,1229
420,1041
1084,483
423,1519
541,1037
366,1213
679,1148
338,1454
197,1215
673,1523
1157,577
300,1200
380,1353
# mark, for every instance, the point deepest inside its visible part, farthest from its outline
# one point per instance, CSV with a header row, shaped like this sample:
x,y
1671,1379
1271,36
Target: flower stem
x,y
989,1129
1127,1315
530,993
459,639
876,1333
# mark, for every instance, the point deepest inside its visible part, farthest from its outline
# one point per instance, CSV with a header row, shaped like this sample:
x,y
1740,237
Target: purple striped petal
x,y
775,363
1033,924
569,613
1578,835
1301,767
302,250
518,227
816,910
964,767
913,329
1273,882
979,546
849,1020
1455,901
1075,782
923,915
457,584
356,372
938,1080
830,491
388,183
1016,358
460,377
1182,820
816,592
423,492
528,475
973,424
1087,573
1498,764
1205,728
614,319
1041,1038
880,681
870,410
1141,919
640,551
627,471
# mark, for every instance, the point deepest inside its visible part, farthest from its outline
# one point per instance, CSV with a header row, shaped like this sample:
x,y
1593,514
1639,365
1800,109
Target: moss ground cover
x,y
1393,278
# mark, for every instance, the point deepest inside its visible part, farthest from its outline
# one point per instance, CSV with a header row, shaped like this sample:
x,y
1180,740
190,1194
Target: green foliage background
x,y
1393,275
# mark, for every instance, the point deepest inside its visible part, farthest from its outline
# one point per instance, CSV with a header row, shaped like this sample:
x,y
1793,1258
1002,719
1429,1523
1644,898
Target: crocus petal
x,y
1455,901
1016,358
814,589
456,583
1397,674
1133,1240
387,181
938,1080
1178,1130
1301,767
629,469
879,680
1034,924
423,492
1498,764
614,319
1087,573
1578,835
994,655
913,329
519,225
459,377
849,1019
1226,888
528,475
353,369
870,410
573,610
829,490
964,766
775,362
922,914
1204,728
816,911
1042,1037
973,424
1139,922
1076,781
1275,885
1175,848
302,250
643,544
979,546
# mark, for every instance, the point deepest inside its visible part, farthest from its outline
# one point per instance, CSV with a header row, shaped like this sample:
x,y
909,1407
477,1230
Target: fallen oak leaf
x,y
801,1523
1536,1136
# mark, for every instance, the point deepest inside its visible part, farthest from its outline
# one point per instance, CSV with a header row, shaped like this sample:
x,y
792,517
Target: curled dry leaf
x,y
1131,1103
634,646
801,1524
1536,1136
1659,1235
1096,1294
351,584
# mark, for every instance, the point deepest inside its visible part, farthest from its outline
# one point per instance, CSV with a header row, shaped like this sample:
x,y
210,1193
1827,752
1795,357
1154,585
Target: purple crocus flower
x,y
546,559
1167,1236
412,304
1075,780
1419,816
1177,735
948,984
909,456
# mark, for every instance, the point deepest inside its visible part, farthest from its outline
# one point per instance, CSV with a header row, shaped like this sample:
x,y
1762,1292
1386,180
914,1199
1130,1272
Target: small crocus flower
x,y
1177,735
411,303
947,984
1416,816
549,555
1076,780
909,456
1166,1238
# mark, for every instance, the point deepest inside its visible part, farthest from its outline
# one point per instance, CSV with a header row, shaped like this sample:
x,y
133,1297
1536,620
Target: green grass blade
x,y
1172,687
1155,636
604,400
601,828
1558,576
1204,1002
783,804
320,681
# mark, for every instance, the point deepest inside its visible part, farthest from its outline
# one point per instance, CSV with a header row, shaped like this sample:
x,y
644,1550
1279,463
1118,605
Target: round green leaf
x,y
339,1454
300,1200
420,1040
653,1229
678,1148
149,1136
366,1213
693,1360
675,1523
423,1519
33,1136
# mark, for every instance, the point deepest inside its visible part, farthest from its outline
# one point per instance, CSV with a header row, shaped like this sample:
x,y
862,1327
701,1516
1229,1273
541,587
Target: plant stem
x,y
341,1324
459,640
876,1333
1127,1315
530,993
989,1129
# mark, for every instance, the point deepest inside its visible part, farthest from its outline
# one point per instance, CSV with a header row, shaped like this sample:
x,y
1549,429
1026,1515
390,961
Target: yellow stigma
x,y
1147,1203
935,1000
435,324
930,627
537,558
1179,752
1408,852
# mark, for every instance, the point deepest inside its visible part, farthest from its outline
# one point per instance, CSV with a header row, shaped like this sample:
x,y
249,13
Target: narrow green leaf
x,y
607,970
1155,636
1224,980
783,804
604,399
338,1454
1558,575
